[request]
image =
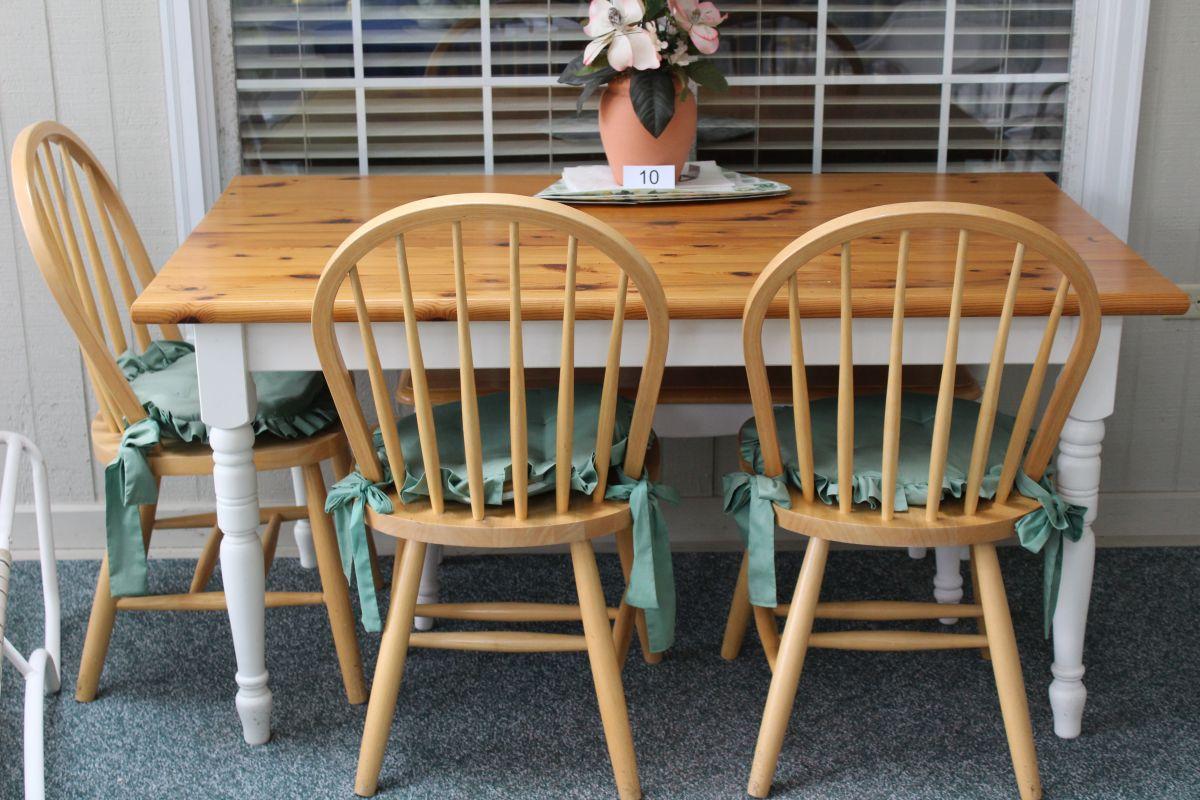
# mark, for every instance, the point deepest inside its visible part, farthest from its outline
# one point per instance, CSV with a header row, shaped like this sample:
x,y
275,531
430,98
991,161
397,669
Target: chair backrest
x,y
882,223
60,213
548,220
14,446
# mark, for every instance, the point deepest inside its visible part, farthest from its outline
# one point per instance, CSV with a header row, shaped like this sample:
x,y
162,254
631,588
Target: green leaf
x,y
653,96
707,75
589,89
654,8
576,73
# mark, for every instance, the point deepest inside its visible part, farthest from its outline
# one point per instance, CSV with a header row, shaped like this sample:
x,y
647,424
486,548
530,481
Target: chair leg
x,y
980,625
606,672
207,561
270,539
389,670
334,588
782,694
625,553
739,613
768,633
1006,664
104,616
99,632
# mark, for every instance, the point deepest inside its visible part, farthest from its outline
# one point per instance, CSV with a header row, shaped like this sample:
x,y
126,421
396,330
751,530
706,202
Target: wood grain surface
x,y
257,254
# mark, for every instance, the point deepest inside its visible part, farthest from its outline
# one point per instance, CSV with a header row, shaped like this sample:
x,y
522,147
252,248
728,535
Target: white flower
x,y
681,57
617,25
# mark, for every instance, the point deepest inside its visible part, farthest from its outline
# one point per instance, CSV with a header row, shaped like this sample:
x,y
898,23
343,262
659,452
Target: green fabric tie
x,y
291,405
651,579
750,499
1043,530
129,483
346,501
1039,531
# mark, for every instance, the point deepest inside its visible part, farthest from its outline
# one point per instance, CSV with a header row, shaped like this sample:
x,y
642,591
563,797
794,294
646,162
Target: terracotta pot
x,y
626,140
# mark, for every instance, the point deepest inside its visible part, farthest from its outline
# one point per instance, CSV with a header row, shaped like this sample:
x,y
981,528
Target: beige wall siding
x,y
96,67
1153,442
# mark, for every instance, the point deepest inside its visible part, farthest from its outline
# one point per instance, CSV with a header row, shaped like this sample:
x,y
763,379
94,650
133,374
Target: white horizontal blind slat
x,y
433,102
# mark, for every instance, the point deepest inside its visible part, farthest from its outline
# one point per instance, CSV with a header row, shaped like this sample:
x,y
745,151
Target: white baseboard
x,y
1127,519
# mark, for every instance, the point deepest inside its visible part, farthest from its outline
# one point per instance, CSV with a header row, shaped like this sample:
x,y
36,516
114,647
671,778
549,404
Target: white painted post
x,y
227,405
430,584
1079,483
947,582
302,530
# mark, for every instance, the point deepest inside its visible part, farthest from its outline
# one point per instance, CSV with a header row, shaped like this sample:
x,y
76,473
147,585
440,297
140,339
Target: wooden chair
x,y
970,521
57,208
552,518
686,404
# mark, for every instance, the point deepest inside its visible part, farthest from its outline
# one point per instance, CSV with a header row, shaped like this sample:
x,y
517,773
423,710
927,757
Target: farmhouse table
x,y
247,274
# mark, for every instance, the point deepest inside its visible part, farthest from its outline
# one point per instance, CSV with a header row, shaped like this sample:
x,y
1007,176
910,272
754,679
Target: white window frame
x,y
1099,146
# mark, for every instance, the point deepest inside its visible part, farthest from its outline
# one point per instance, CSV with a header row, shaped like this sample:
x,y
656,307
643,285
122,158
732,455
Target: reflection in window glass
x,y
298,131
996,126
878,37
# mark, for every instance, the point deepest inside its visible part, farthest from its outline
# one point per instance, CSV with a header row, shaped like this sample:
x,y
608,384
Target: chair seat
x,y
500,528
175,457
991,522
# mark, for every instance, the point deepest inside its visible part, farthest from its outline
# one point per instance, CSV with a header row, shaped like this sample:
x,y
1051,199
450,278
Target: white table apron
x,y
226,353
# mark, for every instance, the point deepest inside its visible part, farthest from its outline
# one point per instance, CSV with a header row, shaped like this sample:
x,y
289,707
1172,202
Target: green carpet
x,y
469,725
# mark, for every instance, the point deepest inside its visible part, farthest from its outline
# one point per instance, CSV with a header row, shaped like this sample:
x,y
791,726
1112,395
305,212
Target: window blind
x,y
833,85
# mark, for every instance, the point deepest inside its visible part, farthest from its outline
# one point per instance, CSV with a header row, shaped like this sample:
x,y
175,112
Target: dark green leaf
x,y
576,73
653,96
654,8
707,75
588,90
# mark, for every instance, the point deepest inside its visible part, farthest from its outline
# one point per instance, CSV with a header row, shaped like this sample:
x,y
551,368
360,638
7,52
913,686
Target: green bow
x,y
1043,530
750,499
651,580
129,483
346,502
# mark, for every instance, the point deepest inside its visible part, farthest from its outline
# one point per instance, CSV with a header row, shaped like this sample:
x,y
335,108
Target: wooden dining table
x,y
246,276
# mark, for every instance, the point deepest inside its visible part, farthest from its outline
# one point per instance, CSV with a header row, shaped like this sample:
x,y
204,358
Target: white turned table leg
x,y
1078,483
302,530
917,553
430,584
1078,479
947,582
228,404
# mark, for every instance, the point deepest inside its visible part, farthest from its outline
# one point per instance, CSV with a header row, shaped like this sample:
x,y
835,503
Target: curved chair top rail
x,y
453,211
60,213
907,219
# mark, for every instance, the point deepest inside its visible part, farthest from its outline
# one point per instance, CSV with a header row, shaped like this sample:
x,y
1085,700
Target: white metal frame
x,y
41,669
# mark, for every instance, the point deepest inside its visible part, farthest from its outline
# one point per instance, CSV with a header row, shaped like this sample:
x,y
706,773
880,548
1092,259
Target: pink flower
x,y
617,25
700,21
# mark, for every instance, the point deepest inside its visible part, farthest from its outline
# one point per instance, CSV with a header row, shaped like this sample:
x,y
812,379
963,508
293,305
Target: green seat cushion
x,y
748,496
651,586
916,439
291,405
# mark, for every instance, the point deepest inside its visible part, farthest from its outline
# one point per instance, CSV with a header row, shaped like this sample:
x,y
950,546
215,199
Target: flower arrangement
x,y
654,43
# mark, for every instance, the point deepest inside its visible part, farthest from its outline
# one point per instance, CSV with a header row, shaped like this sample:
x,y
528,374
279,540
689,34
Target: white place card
x,y
649,177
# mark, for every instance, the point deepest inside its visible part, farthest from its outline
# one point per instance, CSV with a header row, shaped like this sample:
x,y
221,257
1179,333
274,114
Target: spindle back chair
x,y
64,197
59,209
559,518
941,523
452,211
